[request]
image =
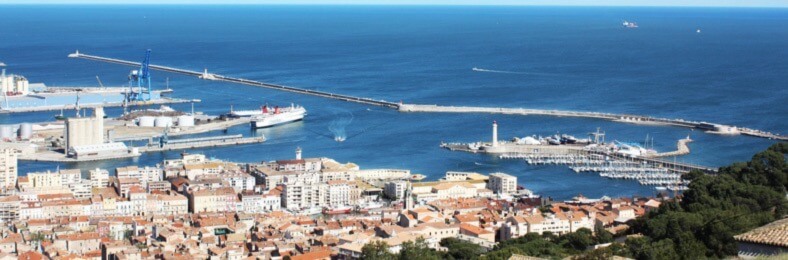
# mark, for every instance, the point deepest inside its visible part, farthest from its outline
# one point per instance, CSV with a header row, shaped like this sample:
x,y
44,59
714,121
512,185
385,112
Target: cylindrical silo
x,y
146,121
185,120
25,131
6,132
163,121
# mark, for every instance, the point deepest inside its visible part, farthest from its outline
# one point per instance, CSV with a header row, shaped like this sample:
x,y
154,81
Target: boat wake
x,y
517,72
497,71
338,125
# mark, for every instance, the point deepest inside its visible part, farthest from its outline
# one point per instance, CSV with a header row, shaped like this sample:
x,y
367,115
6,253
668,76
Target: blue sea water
x,y
578,58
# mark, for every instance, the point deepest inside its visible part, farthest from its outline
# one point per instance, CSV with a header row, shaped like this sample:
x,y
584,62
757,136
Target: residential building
x,y
8,167
99,178
239,181
338,193
395,189
502,183
213,200
167,204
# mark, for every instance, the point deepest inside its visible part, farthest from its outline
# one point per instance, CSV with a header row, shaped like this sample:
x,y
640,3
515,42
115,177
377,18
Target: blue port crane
x,y
139,81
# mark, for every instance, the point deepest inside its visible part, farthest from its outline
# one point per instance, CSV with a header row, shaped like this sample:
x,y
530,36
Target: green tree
x,y
418,250
605,253
578,240
377,250
717,207
603,236
661,250
459,249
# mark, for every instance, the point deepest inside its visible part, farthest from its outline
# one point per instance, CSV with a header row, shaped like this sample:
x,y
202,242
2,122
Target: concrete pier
x,y
131,133
681,149
201,143
209,76
624,118
180,144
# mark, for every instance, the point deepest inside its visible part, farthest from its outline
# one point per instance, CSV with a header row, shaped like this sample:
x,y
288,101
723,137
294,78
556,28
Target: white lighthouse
x,y
495,134
298,153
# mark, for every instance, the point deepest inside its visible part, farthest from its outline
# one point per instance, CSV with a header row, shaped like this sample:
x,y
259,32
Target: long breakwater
x,y
625,118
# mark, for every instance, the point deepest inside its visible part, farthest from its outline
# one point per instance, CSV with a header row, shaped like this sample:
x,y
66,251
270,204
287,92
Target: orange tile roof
x,y
31,255
474,229
319,254
81,236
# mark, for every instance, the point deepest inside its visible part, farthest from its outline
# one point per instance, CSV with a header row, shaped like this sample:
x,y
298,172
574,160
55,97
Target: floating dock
x,y
635,119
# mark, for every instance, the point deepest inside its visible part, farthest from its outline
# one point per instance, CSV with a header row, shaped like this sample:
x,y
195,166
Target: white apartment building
x,y
383,174
395,189
240,181
303,191
338,193
8,167
70,176
44,180
81,189
143,175
299,165
99,178
502,183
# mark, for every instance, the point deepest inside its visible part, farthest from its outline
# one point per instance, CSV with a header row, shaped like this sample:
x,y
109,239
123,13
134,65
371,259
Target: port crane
x,y
139,81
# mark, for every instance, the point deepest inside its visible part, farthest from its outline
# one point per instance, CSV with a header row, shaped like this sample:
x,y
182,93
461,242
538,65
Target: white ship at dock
x,y
271,117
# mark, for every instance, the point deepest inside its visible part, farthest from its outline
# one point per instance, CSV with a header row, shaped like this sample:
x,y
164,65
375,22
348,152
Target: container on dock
x,y
185,120
163,121
146,121
25,131
6,132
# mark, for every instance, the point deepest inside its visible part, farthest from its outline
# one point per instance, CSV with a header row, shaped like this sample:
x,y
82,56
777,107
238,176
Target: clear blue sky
x,y
727,3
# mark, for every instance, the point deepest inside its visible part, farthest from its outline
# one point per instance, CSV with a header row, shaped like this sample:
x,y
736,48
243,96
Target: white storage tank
x,y
146,121
25,131
163,121
185,120
6,132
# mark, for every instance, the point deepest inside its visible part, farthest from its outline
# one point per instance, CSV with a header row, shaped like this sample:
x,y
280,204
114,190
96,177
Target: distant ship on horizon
x,y
628,24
